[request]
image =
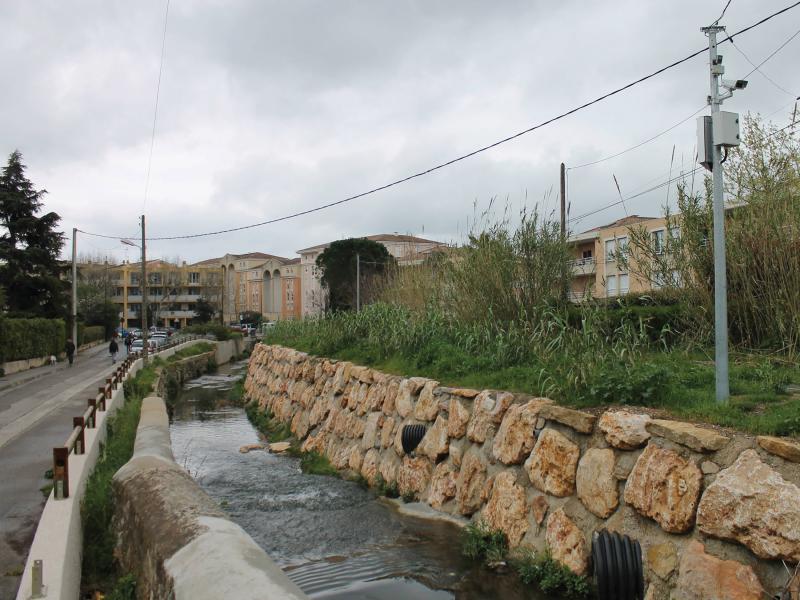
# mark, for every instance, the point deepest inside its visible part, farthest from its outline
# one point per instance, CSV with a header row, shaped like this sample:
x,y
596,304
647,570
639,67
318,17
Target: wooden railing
x,y
76,442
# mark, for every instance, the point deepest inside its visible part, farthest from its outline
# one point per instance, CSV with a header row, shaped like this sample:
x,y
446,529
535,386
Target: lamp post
x,y
75,288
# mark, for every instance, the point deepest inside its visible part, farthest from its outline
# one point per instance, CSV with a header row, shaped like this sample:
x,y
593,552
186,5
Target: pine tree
x,y
29,248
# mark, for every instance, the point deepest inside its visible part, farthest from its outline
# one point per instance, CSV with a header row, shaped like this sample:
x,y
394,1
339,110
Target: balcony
x,y
583,266
176,314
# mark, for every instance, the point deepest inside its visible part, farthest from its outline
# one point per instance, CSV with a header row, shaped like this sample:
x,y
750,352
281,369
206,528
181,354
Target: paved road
x,y
34,417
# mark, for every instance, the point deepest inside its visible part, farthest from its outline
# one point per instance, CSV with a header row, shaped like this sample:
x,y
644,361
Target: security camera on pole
x,y
720,130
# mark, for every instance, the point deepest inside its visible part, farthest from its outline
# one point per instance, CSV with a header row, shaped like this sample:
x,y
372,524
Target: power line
x,y
640,144
470,154
723,12
155,110
767,77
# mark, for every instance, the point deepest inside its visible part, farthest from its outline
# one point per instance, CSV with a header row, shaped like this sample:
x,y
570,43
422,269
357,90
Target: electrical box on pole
x,y
705,143
725,128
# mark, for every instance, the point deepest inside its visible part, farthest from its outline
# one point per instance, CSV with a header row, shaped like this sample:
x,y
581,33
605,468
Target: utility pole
x,y
563,201
145,343
75,288
724,132
358,282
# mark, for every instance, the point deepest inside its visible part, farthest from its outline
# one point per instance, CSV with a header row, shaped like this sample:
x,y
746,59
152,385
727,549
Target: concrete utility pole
x,y
145,343
358,282
724,132
563,201
75,288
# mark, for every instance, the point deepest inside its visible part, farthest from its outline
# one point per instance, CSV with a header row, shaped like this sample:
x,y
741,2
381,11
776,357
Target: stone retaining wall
x,y
716,513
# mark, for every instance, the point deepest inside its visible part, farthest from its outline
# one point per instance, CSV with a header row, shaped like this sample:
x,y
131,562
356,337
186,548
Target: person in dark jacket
x,y
70,350
113,348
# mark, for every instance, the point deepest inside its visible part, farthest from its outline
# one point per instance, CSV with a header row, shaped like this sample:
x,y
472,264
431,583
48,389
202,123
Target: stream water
x,y
333,538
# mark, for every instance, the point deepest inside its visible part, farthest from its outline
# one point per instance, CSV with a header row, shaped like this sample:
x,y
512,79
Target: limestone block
x,y
705,577
404,402
414,476
515,438
389,466
691,436
539,508
624,430
595,482
662,559
374,421
392,387
576,419
750,503
464,392
356,457
665,487
427,406
507,509
456,452
443,485
567,542
470,482
552,464
374,399
487,412
457,420
369,466
435,444
709,468
300,425
363,374
783,447
386,432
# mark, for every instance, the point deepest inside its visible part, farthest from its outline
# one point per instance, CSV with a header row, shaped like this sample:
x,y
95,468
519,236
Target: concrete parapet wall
x,y
175,538
59,536
717,512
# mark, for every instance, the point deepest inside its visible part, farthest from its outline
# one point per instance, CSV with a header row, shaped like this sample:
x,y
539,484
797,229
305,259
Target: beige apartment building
x,y
598,272
406,249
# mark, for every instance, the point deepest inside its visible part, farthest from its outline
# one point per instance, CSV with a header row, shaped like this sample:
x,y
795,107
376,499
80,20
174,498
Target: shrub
x,y
641,383
480,542
90,334
315,463
31,338
550,576
390,490
220,332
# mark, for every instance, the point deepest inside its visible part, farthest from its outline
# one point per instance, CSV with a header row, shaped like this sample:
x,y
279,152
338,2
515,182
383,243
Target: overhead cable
x,y
469,154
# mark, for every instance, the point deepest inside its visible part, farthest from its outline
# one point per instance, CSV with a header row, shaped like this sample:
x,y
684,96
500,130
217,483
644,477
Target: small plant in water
x,y
383,488
549,575
410,497
483,543
315,463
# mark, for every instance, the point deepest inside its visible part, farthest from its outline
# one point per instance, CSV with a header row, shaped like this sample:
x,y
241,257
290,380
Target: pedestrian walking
x,y
113,348
128,343
70,350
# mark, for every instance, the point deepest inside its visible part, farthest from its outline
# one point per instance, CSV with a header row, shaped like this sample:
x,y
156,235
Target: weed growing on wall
x,y
482,543
549,575
99,569
382,488
314,463
271,428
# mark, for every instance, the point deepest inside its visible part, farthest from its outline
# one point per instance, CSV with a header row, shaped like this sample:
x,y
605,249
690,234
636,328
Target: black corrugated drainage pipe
x,y
617,566
411,437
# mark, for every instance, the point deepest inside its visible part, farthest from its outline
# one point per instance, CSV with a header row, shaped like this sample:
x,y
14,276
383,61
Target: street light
x,y
145,344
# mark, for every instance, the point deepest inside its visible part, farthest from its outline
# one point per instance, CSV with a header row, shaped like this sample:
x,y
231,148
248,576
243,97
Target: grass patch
x,y
382,488
271,428
46,489
314,463
236,393
99,569
550,576
193,350
124,589
482,543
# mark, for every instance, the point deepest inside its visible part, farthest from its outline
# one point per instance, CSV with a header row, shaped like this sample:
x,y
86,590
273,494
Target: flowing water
x,y
333,538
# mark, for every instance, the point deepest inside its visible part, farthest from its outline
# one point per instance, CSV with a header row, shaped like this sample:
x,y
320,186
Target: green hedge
x,y
91,334
31,338
221,332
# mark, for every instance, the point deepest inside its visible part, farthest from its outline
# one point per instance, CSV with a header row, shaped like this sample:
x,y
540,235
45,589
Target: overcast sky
x,y
269,108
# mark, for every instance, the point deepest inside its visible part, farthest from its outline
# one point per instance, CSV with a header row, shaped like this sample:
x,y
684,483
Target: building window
x,y
134,291
610,249
154,278
134,278
611,285
623,284
194,277
622,246
587,254
658,241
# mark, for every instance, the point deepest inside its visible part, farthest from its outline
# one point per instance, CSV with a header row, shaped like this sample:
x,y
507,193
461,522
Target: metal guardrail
x,y
76,442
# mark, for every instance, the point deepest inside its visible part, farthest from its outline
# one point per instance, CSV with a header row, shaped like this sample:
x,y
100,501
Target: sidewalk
x,y
35,416
8,382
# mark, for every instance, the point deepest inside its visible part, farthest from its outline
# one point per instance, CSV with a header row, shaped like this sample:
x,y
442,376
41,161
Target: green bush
x,y
31,338
480,542
637,384
90,334
550,576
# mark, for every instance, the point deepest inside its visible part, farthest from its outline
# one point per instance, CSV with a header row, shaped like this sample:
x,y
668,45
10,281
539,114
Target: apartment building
x,y
172,289
406,249
602,266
